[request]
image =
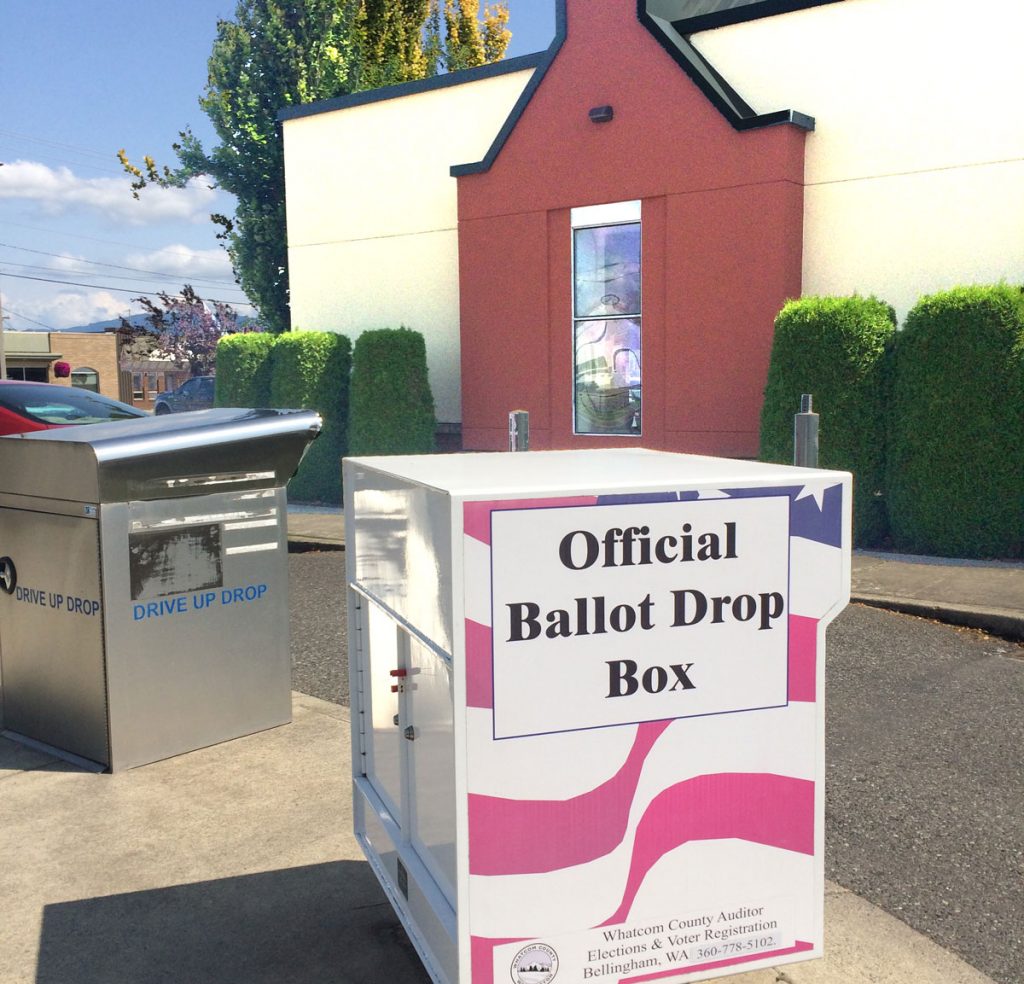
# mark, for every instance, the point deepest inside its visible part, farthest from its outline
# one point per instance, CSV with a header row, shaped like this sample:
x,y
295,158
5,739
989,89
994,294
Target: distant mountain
x,y
138,320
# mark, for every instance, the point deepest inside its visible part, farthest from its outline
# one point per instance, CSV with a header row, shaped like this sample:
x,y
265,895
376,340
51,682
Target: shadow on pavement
x,y
319,923
19,756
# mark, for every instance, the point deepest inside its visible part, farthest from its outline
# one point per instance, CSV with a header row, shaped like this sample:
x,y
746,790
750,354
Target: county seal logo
x,y
535,964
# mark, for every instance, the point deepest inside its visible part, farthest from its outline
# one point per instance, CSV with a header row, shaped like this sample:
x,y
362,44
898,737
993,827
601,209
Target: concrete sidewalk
x,y
237,864
979,594
985,595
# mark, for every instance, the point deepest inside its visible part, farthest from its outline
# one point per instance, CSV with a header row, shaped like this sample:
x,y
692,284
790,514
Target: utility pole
x,y
3,356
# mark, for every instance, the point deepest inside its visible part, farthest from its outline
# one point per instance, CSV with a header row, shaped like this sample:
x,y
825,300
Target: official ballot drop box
x,y
143,582
587,719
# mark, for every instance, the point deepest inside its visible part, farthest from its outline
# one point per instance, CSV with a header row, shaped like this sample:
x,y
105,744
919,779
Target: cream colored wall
x,y
26,342
372,215
915,171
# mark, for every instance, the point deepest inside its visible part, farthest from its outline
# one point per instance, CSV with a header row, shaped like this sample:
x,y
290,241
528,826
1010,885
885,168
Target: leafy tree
x,y
280,53
466,45
184,328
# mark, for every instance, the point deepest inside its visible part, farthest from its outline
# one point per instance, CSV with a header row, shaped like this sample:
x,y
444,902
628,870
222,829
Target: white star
x,y
816,492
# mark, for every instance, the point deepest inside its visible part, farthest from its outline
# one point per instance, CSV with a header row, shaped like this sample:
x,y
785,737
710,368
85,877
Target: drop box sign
x,y
641,611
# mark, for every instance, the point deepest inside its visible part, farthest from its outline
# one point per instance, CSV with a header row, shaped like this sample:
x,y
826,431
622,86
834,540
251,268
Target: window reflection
x,y
607,270
607,344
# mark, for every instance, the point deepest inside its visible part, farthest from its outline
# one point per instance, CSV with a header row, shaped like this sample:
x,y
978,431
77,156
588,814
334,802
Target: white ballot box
x,y
587,708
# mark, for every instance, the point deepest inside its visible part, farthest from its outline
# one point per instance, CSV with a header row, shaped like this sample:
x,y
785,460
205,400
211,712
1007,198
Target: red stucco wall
x,y
722,220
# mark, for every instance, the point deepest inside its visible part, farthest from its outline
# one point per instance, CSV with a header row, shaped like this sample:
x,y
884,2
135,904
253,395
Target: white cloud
x,y
72,308
182,262
58,190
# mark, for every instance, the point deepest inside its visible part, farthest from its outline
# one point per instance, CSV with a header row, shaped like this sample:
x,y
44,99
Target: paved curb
x,y
996,621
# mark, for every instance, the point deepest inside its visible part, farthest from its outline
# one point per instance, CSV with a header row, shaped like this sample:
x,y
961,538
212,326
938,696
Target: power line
x,y
25,317
120,290
51,161
38,268
56,143
66,149
78,235
114,266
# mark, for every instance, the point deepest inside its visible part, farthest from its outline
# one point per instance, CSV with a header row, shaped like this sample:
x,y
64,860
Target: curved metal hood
x,y
159,457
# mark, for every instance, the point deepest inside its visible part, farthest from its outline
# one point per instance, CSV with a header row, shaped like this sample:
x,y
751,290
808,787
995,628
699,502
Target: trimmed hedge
x,y
243,369
392,408
956,440
310,371
834,348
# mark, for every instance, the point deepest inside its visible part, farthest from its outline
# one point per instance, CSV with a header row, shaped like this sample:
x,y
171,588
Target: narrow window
x,y
606,319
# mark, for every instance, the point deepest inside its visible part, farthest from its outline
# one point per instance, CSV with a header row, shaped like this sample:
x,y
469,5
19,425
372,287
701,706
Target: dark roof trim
x,y
738,11
519,64
718,91
546,58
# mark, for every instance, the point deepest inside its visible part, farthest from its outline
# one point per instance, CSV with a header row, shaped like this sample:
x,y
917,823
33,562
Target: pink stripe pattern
x,y
777,811
476,516
481,957
479,675
515,837
803,658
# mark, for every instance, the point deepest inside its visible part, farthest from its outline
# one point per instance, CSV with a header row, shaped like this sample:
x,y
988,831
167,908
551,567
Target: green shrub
x,y
243,369
392,406
834,348
956,440
310,371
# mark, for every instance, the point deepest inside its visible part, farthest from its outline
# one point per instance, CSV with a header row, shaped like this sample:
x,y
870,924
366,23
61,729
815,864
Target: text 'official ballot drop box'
x,y
588,731
143,582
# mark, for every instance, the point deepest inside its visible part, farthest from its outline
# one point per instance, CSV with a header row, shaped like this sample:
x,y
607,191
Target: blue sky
x,y
80,79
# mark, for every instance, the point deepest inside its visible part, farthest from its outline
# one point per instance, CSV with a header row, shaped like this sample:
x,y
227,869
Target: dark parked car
x,y
26,407
194,394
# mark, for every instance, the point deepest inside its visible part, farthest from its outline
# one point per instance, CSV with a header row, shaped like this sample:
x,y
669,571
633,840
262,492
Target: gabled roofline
x,y
546,58
506,67
673,36
707,78
740,12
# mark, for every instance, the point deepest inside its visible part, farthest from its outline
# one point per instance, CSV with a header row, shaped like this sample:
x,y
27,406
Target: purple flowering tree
x,y
184,329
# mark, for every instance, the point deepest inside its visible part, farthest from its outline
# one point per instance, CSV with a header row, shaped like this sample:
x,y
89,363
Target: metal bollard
x,y
519,430
805,434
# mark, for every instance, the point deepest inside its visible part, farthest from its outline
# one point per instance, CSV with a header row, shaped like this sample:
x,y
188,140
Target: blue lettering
x,y
85,606
138,612
252,592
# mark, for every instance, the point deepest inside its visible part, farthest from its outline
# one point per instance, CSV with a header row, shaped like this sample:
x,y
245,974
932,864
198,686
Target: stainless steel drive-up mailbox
x,y
587,708
143,582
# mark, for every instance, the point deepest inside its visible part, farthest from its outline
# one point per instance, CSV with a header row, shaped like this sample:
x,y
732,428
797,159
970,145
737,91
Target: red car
x,y
26,407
